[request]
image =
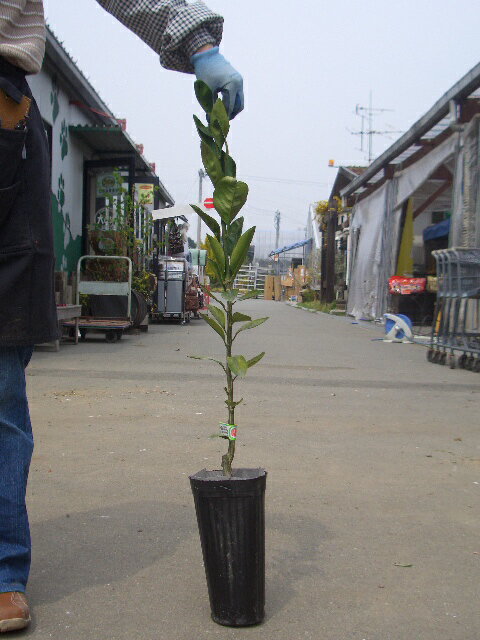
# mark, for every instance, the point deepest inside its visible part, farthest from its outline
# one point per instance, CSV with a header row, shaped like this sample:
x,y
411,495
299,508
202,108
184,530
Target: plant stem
x,y
227,459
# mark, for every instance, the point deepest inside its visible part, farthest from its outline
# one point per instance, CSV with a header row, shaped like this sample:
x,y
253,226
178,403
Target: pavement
x,y
373,459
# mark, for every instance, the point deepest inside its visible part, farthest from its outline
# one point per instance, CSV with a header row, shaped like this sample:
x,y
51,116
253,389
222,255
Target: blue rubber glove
x,y
211,67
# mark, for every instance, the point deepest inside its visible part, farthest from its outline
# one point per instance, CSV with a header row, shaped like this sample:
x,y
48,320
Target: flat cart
x,y
113,328
71,313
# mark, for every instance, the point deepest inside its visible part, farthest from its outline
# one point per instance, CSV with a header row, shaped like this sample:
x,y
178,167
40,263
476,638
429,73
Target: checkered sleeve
x,y
174,29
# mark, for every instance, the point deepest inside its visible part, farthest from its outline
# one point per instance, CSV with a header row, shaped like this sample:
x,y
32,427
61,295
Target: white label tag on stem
x,y
228,430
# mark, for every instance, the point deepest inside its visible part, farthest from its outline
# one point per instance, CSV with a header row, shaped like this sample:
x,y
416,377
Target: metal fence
x,y
251,278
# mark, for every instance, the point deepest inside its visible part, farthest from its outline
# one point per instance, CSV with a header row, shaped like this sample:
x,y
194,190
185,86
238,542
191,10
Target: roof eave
x,y
344,175
168,199
460,90
57,58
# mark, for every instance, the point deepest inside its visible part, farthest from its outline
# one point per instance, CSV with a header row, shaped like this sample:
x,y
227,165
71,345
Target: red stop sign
x,y
208,203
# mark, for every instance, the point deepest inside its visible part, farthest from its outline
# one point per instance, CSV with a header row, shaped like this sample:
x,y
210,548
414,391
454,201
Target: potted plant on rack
x,y
229,502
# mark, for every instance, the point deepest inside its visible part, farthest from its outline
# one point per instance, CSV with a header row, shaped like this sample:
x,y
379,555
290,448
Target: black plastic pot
x,y
231,522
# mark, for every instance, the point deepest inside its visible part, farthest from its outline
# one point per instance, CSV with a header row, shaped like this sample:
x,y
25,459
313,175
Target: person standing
x,y
187,38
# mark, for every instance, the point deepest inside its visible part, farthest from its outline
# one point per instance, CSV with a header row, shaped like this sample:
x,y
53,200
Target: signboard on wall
x,y
144,192
107,185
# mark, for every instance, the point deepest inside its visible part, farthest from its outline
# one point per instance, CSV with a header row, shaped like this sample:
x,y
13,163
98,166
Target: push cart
x,y
456,322
113,328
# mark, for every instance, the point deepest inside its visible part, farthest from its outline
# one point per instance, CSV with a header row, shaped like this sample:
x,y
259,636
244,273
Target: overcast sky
x,y
306,64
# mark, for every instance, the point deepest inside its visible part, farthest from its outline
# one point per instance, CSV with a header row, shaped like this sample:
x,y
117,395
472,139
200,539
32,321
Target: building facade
x,y
421,194
87,144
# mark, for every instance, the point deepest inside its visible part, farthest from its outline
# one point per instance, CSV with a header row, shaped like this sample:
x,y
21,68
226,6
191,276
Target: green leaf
x,y
207,358
215,326
219,122
219,274
204,95
240,251
210,142
228,165
217,252
202,129
256,359
250,294
212,295
208,139
230,295
229,197
240,317
251,325
238,365
211,163
220,114
399,564
217,133
218,314
211,223
233,235
237,227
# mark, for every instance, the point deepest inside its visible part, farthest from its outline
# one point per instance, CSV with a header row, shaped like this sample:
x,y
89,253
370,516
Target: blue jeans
x,y
16,448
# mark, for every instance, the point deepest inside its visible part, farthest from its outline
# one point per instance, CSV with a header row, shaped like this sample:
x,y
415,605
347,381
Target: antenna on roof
x,y
367,114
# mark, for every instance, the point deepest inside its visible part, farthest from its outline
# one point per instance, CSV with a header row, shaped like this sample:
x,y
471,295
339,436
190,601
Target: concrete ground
x,y
373,490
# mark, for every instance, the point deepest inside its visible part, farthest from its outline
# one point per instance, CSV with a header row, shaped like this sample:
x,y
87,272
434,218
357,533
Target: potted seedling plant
x,y
229,502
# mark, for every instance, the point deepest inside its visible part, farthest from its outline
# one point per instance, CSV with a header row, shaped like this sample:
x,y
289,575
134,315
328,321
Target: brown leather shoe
x,y
14,611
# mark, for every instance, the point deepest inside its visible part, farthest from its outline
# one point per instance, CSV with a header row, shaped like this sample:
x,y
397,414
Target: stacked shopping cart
x,y
456,324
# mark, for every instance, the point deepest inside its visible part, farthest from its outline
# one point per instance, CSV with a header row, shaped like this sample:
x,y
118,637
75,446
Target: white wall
x,y
68,156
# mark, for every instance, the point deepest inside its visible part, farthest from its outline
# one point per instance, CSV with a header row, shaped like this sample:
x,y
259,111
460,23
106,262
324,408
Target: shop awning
x,y
110,140
290,247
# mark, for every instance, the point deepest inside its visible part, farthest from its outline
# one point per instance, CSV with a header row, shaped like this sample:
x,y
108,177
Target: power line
x,y
287,180
256,211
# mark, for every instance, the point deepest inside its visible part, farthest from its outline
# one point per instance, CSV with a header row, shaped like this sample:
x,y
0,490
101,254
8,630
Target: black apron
x,y
27,300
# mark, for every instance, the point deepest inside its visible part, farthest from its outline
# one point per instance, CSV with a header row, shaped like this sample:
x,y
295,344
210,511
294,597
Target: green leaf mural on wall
x,y
61,192
67,248
64,139
54,99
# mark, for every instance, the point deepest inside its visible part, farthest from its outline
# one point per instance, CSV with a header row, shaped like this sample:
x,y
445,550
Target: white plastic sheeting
x,y
389,247
366,231
457,201
466,201
375,231
411,178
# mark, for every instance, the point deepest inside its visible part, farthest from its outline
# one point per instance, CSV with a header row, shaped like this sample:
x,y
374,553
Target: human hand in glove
x,y
211,67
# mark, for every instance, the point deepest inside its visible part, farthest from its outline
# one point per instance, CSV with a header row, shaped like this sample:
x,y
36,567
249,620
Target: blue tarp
x,y
439,230
290,247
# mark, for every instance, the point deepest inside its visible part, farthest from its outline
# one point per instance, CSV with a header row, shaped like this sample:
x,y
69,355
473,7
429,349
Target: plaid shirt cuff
x,y
173,28
180,39
196,40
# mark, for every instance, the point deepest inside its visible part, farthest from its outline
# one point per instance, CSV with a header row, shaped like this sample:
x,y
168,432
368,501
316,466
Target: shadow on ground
x,y
294,546
103,546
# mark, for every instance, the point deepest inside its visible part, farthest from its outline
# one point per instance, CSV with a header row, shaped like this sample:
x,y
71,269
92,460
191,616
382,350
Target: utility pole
x,y
276,222
201,176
